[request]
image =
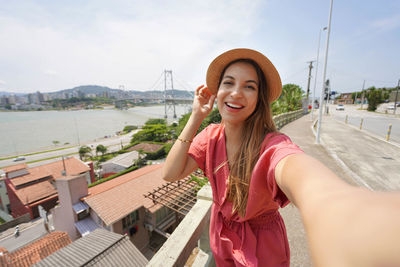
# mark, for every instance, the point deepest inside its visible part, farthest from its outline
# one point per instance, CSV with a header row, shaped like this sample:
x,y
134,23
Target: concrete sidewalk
x,y
353,155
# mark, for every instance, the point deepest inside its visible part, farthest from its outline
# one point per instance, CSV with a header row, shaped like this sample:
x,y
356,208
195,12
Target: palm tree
x,y
84,151
102,149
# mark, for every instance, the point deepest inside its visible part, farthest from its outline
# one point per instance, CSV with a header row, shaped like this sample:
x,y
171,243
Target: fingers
x,y
211,101
197,91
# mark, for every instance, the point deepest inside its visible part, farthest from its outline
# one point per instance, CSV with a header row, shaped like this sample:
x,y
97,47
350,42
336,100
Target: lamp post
x,y
316,73
324,76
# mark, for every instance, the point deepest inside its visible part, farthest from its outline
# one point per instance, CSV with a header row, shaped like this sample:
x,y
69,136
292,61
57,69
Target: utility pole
x,y
316,75
362,95
324,75
309,78
395,99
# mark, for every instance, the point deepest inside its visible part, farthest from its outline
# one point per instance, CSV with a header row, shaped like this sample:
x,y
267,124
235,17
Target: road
x,y
373,122
28,232
112,144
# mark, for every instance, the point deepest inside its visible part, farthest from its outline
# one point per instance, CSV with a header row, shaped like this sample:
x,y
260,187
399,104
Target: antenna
x,y
63,172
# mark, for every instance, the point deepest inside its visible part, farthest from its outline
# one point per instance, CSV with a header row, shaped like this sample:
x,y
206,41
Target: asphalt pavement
x,y
358,157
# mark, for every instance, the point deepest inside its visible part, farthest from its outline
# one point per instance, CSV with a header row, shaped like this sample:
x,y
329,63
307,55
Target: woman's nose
x,y
236,91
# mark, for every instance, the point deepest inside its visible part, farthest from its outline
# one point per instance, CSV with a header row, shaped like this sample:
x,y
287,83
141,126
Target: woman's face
x,y
238,93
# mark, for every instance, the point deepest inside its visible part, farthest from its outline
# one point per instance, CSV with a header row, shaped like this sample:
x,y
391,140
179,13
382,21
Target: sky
x,y
53,45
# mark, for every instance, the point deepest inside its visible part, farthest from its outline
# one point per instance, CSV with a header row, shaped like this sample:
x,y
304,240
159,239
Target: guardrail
x,y
284,118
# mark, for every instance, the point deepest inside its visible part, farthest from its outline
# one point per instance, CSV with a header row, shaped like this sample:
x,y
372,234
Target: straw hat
x,y
274,85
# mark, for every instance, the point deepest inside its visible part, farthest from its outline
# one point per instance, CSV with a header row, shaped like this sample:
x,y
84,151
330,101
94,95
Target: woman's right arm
x,y
178,164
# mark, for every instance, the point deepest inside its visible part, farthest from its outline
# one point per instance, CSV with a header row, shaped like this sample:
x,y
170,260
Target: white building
x,y
119,163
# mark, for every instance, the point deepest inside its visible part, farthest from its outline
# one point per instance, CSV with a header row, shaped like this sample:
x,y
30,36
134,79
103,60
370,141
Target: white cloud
x,y
130,49
2,82
388,23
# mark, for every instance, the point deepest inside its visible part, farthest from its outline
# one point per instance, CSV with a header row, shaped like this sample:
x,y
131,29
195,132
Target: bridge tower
x,y
169,101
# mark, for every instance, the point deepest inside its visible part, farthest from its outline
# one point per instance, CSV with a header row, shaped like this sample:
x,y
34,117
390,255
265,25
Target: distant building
x,y
345,98
119,163
27,188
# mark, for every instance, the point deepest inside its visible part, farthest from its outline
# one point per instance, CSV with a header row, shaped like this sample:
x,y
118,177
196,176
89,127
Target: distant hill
x,y
99,90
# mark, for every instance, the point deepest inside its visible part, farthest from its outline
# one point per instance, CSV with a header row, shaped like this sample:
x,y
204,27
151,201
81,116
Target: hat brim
x,y
273,80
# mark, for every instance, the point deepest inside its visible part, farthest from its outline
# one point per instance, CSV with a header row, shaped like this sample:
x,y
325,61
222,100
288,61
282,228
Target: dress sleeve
x,y
278,148
198,148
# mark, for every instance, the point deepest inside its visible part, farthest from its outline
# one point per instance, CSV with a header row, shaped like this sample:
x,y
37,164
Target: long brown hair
x,y
256,126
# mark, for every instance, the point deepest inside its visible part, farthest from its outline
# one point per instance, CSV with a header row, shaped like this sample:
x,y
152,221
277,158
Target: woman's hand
x,y
202,103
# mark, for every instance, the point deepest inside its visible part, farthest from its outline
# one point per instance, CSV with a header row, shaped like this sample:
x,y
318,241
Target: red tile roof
x,y
36,251
146,147
116,201
16,167
35,192
121,180
73,166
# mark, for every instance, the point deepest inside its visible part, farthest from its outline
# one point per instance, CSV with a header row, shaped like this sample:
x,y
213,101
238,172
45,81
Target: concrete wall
x,y
70,190
17,207
4,197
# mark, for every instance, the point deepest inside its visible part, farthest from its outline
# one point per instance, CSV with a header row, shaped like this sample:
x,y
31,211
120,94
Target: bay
x,y
23,132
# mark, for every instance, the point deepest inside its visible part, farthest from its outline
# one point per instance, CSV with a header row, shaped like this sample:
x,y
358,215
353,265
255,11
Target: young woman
x,y
253,170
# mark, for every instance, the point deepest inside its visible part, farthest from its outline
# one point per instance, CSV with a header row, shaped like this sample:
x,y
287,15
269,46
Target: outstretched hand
x,y
203,102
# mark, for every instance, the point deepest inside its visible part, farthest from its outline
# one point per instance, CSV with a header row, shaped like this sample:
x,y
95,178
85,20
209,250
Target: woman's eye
x,y
251,87
228,82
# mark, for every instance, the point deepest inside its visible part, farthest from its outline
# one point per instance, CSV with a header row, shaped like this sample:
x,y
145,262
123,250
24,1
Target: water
x,y
35,130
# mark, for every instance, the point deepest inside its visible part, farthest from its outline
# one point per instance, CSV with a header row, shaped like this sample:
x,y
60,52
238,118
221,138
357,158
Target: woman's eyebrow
x,y
229,77
252,81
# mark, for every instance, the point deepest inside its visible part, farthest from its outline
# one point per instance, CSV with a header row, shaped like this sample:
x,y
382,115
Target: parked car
x,y
390,107
340,107
20,158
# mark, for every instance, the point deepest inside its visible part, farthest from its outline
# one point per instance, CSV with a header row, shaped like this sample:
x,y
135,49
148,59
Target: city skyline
x,y
56,46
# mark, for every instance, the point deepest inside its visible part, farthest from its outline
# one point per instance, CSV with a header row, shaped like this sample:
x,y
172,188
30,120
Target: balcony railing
x,y
191,232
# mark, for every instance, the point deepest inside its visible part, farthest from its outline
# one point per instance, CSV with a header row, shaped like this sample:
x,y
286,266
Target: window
x,y
83,214
162,213
130,220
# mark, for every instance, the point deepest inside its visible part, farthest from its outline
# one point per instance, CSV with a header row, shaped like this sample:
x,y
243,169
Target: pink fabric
x,y
258,239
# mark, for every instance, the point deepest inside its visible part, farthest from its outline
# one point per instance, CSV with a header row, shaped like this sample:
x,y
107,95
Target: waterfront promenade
x,y
356,156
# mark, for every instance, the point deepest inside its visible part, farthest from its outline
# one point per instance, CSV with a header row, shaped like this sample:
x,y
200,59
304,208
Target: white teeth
x,y
233,105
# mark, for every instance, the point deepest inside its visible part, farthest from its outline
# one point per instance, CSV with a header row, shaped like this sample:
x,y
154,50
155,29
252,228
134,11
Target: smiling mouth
x,y
234,106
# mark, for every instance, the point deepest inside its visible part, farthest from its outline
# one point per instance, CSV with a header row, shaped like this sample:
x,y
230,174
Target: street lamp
x,y
324,76
316,72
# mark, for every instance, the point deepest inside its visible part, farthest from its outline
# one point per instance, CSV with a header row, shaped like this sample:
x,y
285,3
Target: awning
x,y
79,207
86,226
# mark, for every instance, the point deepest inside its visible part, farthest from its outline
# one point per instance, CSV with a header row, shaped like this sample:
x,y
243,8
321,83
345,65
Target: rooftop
x,y
99,248
126,160
36,251
73,166
146,147
36,192
119,199
16,167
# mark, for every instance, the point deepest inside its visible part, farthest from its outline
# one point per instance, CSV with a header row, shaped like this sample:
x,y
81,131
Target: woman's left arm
x,y
345,225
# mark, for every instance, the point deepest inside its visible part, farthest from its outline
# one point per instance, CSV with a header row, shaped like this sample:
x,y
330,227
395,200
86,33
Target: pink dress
x,y
258,239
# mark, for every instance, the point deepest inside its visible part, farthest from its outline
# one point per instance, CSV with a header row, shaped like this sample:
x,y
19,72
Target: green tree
x,y
155,121
84,151
291,97
129,128
102,149
374,97
55,142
